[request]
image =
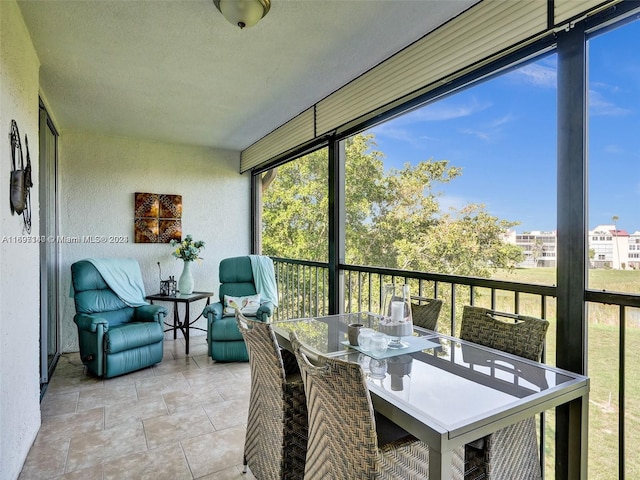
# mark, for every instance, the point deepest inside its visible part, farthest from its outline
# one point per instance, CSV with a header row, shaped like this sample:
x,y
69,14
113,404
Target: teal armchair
x,y
114,338
225,342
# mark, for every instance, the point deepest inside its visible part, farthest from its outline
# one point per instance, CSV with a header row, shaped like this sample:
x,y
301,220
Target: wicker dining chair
x,y
425,313
511,452
342,427
276,438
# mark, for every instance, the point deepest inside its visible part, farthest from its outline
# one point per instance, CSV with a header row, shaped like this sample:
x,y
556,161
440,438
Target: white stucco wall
x,y
99,175
19,262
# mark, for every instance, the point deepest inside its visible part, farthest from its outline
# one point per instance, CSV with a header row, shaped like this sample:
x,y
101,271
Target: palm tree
x,y
615,219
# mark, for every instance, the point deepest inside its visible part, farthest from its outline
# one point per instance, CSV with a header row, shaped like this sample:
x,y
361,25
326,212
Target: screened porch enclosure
x,y
328,281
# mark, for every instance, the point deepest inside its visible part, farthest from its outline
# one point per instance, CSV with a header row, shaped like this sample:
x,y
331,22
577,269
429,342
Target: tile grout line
x,y
184,454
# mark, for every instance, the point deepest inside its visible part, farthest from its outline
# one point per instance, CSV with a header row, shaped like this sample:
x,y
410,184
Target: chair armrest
x,y
265,311
150,313
213,311
90,323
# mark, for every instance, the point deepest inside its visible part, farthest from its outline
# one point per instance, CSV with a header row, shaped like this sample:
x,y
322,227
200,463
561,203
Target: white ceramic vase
x,y
185,282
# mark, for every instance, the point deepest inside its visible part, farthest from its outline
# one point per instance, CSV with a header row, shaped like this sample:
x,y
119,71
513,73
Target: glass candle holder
x,y
396,319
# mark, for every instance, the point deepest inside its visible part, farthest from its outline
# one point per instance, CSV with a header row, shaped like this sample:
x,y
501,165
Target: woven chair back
x,y
517,334
426,315
265,432
511,452
342,431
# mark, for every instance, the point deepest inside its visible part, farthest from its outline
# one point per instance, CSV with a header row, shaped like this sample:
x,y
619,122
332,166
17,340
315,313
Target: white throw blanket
x,y
123,277
264,278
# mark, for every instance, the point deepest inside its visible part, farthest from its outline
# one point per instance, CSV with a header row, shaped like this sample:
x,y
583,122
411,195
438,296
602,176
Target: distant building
x,y
634,250
608,248
539,248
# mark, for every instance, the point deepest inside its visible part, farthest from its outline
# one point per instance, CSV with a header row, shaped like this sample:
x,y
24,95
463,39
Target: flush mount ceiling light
x,y
243,13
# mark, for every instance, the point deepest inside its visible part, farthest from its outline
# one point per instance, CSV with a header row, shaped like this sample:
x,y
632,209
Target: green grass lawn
x,y
599,279
603,370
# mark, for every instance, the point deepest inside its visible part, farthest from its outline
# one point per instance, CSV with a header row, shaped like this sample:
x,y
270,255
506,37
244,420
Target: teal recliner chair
x,y
223,337
114,338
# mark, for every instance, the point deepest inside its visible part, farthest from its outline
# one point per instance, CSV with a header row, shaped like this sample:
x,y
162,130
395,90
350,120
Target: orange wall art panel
x,y
157,218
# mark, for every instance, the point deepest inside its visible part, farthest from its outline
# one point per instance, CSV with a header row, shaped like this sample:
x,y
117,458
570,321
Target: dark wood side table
x,y
184,324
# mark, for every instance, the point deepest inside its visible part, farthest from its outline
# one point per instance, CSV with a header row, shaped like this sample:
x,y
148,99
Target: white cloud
x,y
445,110
498,122
482,135
440,111
400,134
490,130
537,75
605,86
389,131
600,106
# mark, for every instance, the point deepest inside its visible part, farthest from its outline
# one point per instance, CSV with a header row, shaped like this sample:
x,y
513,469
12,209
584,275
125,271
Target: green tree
x,y
463,242
295,210
537,251
386,212
393,218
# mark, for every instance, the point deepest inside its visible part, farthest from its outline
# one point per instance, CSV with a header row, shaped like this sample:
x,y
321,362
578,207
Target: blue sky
x,y
502,133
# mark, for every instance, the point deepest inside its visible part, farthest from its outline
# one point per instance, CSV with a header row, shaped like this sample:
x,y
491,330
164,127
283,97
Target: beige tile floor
x,y
184,418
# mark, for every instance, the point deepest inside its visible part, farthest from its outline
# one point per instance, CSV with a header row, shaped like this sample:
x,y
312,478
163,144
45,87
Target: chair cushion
x,y
225,329
86,277
134,359
236,270
96,301
132,335
116,317
93,296
237,289
234,351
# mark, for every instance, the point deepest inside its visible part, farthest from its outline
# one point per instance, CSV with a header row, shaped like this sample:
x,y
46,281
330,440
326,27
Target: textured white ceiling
x,y
177,71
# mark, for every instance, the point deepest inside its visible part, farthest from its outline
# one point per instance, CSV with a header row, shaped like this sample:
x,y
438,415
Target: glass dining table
x,y
445,391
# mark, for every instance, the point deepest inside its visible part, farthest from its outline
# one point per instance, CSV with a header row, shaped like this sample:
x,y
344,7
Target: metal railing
x,y
304,290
